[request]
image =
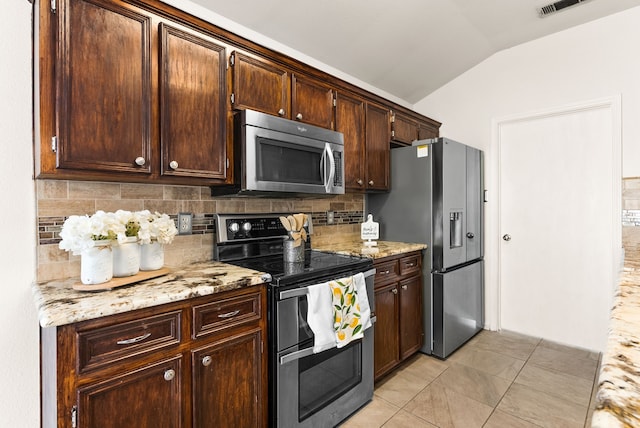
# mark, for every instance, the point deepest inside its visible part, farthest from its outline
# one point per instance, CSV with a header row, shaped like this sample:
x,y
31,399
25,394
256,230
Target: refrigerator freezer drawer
x,y
458,307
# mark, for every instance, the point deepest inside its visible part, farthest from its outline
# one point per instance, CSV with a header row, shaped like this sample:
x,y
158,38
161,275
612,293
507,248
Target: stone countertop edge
x,y
617,402
385,248
59,304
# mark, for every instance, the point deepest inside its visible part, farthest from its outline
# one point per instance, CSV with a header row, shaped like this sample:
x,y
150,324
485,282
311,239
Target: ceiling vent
x,y
557,6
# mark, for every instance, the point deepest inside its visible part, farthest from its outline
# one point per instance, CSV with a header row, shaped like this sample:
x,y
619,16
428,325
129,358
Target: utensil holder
x,y
292,254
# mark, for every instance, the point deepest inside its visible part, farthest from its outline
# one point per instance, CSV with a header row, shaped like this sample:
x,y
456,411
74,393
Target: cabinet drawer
x,y
104,345
222,314
410,264
386,271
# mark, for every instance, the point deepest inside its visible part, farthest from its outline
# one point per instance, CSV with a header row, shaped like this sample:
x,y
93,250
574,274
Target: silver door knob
x,y
281,112
140,161
173,165
506,237
299,116
169,375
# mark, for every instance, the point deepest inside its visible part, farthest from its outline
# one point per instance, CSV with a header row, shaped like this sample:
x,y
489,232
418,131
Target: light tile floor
x,y
496,380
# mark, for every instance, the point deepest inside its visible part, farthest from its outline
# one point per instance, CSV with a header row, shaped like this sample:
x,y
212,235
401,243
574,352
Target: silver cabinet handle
x,y
173,164
506,237
404,287
140,161
206,360
299,116
229,314
133,339
281,112
386,272
360,182
169,375
411,264
370,182
394,291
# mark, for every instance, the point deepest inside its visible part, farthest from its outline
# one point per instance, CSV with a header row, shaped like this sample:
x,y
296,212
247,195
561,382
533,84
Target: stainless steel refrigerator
x,y
436,198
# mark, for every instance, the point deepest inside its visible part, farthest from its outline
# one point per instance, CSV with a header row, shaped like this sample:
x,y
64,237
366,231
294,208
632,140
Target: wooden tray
x,y
119,282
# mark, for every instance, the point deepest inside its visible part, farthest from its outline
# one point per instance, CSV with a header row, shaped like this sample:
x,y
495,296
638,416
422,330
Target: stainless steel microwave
x,y
283,157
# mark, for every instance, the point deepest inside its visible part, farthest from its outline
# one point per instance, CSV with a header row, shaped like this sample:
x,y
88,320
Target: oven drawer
x,y
222,314
104,345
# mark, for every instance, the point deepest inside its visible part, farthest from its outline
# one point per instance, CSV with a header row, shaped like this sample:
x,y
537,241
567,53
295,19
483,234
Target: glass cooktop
x,y
317,264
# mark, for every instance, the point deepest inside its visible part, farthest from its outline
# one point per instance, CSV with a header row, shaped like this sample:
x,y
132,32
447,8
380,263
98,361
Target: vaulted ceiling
x,y
407,48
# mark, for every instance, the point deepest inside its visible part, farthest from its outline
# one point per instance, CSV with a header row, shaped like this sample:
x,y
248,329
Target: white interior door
x,y
558,223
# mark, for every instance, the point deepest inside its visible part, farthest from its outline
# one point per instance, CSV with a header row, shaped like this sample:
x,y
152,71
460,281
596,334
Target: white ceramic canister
x,y
126,257
96,263
151,256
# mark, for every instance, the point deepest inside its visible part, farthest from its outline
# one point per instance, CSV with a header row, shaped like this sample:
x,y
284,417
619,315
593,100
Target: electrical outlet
x,y
184,223
330,217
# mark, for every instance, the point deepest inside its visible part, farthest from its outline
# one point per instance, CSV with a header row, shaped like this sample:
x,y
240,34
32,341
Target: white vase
x,y
151,256
126,257
96,263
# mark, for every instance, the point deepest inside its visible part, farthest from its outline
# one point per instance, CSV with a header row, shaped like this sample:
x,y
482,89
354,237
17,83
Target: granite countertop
x,y
59,304
385,248
618,395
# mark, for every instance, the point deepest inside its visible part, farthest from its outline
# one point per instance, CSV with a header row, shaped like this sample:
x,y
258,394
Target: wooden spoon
x,y
285,222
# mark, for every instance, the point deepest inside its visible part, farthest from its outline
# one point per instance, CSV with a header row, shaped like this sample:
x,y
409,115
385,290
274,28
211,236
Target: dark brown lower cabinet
x,y
196,363
398,303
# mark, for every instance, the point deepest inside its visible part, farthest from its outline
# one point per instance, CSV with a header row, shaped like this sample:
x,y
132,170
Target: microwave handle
x,y
328,184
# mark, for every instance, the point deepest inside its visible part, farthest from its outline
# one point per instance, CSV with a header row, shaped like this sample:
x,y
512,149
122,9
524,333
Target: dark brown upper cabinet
x,y
404,129
130,96
312,101
377,148
104,88
263,85
350,120
259,85
193,109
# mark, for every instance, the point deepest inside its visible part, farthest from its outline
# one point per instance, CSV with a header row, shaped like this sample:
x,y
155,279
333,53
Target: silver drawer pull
x,y
133,339
386,272
411,264
229,314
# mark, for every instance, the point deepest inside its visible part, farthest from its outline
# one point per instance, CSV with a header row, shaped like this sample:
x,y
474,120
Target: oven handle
x,y
297,292
307,351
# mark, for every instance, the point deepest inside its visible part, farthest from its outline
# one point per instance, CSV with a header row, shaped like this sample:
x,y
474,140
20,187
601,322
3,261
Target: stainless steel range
x,y
306,389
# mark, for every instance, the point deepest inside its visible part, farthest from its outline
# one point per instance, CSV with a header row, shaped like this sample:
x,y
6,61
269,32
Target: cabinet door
x,y
192,104
260,85
386,330
410,316
311,102
426,131
227,383
405,129
148,397
104,87
350,120
378,136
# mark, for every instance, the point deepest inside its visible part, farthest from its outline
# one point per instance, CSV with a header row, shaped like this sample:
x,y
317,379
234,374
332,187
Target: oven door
x,y
323,389
281,162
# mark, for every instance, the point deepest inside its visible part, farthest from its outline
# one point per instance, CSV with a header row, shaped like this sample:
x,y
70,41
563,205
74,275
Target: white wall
x,y
19,358
592,61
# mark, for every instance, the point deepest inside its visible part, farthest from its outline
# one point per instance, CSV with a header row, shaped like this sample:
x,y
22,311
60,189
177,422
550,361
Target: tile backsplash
x,y
58,199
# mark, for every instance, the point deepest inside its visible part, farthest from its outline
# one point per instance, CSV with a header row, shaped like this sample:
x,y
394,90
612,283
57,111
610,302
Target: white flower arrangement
x,y
156,227
82,232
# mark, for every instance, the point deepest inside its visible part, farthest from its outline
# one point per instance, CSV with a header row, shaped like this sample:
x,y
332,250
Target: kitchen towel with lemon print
x,y
347,319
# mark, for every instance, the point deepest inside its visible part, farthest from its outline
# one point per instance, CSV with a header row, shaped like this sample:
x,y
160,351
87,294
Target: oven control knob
x,y
246,226
234,227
